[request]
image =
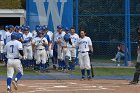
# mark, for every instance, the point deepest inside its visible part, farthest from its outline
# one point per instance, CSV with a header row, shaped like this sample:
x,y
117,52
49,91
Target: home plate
x,y
60,86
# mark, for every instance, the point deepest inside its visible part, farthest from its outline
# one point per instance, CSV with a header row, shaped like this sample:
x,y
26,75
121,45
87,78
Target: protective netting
x,y
104,20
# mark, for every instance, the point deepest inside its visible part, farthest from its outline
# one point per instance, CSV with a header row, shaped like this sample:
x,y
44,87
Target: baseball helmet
x,y
44,27
59,27
23,25
17,27
6,27
67,29
40,32
13,35
67,37
25,29
11,26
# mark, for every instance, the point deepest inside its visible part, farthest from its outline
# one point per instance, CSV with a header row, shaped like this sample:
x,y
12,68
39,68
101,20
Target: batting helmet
x,y
11,26
6,27
67,37
59,27
67,29
13,36
17,27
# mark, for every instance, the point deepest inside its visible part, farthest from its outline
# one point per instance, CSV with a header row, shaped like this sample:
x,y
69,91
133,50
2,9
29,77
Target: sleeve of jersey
x,y
89,42
48,39
5,49
20,46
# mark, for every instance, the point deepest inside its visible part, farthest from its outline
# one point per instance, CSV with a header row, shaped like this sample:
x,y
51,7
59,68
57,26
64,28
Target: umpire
x,y
137,71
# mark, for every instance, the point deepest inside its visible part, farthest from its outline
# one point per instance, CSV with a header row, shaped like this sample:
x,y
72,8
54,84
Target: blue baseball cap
x,y
67,29
11,26
17,27
6,27
59,27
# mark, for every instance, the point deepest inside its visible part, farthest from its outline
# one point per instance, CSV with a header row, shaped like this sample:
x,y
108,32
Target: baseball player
x,y
2,42
19,34
13,49
27,47
74,39
137,66
45,29
49,35
60,49
67,45
39,43
85,45
6,28
8,34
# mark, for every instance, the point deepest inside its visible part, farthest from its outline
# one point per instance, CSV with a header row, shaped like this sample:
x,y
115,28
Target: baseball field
x,y
107,80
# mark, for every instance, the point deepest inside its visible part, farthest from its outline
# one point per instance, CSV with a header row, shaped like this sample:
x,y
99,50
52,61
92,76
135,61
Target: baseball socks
x,y
83,74
88,74
9,81
18,77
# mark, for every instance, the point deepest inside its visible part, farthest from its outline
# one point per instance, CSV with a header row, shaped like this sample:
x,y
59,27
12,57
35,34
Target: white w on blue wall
x,y
51,12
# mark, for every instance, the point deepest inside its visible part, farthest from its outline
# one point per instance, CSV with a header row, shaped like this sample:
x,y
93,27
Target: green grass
x,y
101,71
26,72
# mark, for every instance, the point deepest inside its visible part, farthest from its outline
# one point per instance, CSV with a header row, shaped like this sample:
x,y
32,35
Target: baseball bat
x,y
92,71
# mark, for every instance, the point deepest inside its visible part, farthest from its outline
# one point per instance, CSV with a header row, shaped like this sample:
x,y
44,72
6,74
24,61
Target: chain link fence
x,y
104,20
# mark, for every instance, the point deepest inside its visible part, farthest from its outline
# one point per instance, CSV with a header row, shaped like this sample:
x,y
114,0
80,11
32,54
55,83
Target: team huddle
x,y
20,46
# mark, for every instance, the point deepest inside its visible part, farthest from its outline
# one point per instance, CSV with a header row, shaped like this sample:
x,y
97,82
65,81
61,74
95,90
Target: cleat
x,y
54,67
9,90
133,83
89,78
59,68
118,65
83,79
15,84
113,60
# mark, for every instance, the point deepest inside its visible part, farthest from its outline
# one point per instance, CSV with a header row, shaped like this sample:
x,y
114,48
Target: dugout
x,y
12,16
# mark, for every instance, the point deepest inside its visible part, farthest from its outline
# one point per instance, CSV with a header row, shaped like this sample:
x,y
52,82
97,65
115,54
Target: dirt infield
x,y
73,86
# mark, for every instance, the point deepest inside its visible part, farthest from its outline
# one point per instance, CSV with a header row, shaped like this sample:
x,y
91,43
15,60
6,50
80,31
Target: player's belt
x,y
13,58
27,45
83,51
40,49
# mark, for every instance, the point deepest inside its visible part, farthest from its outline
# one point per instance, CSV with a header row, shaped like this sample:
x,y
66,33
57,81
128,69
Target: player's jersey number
x,y
12,48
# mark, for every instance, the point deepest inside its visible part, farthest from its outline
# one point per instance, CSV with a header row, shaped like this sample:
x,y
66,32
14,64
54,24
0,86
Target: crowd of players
x,y
41,45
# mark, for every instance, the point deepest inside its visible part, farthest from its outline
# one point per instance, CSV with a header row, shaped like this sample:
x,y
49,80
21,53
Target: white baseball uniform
x,y
34,34
27,47
2,37
41,55
83,55
74,40
12,50
60,50
50,50
8,37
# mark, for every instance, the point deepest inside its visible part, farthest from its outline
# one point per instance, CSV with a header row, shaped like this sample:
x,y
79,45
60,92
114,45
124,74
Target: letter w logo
x,y
52,10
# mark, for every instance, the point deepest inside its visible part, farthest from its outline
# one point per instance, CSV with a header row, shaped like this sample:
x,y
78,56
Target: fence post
x,y
77,15
27,12
127,33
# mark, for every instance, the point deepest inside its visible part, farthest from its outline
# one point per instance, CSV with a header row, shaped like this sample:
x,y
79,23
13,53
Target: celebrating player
x,y
13,49
27,47
59,41
8,34
39,43
85,45
74,39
